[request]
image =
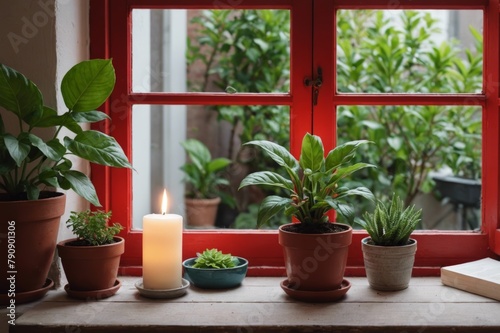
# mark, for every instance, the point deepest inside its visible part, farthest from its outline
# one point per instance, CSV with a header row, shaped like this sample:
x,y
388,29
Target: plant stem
x,y
66,115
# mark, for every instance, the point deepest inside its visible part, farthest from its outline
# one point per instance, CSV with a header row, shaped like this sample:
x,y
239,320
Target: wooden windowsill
x,y
260,305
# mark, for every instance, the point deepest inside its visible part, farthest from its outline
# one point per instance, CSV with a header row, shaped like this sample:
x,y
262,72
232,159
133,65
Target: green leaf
x,y
19,94
342,154
82,185
198,153
312,153
6,164
269,207
218,164
32,192
346,210
53,149
49,177
359,191
50,119
267,178
278,153
89,116
65,165
347,171
87,85
97,147
18,150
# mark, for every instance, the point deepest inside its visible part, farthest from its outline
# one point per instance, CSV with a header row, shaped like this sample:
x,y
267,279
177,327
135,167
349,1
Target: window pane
x,y
414,149
211,50
158,156
403,51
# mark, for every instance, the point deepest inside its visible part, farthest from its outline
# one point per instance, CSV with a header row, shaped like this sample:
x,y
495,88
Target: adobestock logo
x,y
32,25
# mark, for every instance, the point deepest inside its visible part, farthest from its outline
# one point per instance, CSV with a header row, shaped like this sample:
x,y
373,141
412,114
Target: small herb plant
x,y
391,225
91,228
214,259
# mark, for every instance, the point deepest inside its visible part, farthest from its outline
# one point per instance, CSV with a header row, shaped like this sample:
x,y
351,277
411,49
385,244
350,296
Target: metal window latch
x,y
316,84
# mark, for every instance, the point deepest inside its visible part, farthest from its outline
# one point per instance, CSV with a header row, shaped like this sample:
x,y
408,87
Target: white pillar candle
x,y
162,250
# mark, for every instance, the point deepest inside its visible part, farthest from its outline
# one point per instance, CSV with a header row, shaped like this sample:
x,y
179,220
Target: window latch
x,y
316,84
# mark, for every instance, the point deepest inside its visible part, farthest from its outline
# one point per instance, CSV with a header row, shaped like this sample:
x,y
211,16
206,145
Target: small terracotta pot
x,y
388,268
315,262
201,212
33,227
91,268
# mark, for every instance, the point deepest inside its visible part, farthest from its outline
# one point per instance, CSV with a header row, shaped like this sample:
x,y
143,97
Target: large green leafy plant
x,y
313,183
28,162
202,173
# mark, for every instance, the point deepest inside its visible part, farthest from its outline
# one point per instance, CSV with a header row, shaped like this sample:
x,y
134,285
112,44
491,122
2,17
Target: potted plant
x,y
32,167
213,269
315,249
389,252
90,261
202,175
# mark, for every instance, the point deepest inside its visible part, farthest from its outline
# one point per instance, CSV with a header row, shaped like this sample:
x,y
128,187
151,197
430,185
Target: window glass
x,y
158,155
406,51
211,50
428,155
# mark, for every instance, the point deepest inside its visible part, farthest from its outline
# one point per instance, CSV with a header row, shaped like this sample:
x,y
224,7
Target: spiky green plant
x,y
391,225
214,259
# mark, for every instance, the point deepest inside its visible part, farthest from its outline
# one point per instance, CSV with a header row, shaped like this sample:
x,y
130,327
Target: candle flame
x,y
164,202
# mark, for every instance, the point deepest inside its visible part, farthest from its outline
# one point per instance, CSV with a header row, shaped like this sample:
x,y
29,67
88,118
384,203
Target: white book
x,y
481,277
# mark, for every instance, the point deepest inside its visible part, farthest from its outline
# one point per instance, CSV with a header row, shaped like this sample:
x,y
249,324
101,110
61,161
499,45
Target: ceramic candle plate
x,y
168,293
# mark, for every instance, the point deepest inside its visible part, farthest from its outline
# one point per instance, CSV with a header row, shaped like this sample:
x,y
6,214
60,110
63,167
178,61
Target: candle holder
x,y
162,293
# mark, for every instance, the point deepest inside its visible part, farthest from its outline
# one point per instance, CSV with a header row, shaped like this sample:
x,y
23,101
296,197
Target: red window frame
x,y
111,38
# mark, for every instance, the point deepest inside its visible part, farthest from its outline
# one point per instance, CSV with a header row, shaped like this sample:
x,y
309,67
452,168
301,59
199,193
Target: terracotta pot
x,y
201,212
91,268
315,262
36,225
388,267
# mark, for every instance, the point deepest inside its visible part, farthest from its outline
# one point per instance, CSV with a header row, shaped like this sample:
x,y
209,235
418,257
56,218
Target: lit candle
x,y
162,249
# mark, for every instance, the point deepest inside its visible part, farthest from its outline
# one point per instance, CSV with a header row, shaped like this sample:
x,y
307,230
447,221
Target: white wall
x,y
42,39
72,46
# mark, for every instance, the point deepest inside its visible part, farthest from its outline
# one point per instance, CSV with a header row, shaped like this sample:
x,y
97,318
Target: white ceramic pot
x,y
388,268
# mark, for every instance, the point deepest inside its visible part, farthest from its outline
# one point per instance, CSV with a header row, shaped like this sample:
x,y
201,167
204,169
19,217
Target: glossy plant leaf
x,y
88,84
82,185
97,147
19,94
18,149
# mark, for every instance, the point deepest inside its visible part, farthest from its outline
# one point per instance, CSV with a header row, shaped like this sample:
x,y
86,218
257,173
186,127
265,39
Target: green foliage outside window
x,y
377,56
245,51
248,51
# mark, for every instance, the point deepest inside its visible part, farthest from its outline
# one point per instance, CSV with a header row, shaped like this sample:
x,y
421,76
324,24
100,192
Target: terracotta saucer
x,y
28,296
164,293
316,296
93,294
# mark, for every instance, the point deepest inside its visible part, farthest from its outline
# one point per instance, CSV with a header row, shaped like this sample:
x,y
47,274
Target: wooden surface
x,y
260,305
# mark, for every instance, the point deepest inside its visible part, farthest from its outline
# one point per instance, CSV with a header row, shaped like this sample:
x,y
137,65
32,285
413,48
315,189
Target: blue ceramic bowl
x,y
215,278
